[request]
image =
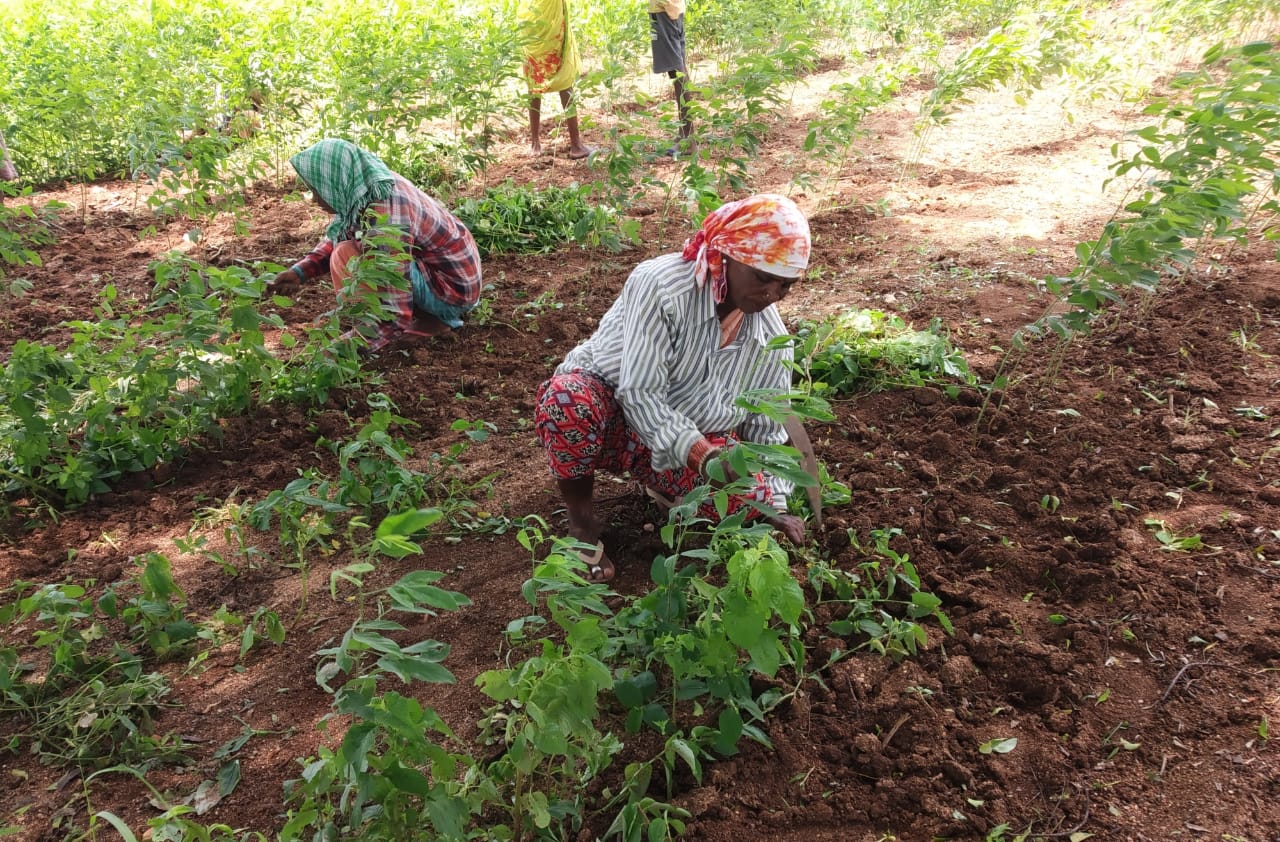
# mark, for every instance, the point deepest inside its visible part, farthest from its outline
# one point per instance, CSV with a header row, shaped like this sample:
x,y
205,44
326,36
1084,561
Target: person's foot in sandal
x,y
585,527
600,568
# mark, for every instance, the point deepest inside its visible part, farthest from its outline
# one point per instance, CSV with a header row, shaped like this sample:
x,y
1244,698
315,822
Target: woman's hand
x,y
790,526
286,281
717,465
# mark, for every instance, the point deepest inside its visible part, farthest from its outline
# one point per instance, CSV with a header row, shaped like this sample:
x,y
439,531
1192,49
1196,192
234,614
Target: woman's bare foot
x,y
577,153
425,324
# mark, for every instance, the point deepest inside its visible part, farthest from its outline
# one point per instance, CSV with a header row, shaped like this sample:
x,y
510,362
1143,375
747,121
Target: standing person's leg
x,y
678,78
576,147
535,125
667,40
8,172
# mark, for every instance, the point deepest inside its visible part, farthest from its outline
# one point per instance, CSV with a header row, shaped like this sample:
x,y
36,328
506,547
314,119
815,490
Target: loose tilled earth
x,y
1138,717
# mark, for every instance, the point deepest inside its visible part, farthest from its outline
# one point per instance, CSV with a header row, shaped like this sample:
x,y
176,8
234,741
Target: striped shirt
x,y
659,347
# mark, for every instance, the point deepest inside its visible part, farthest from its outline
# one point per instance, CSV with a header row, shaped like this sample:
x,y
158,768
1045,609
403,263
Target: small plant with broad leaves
x,y
390,777
509,219
1208,177
80,700
23,229
156,614
869,350
881,604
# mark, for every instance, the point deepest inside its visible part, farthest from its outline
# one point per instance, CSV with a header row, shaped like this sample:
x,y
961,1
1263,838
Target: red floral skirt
x,y
583,429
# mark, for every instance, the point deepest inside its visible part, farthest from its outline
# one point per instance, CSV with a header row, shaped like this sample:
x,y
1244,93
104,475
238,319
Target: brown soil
x,y
1138,716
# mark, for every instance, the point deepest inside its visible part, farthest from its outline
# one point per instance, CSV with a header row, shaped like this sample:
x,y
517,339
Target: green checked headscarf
x,y
348,178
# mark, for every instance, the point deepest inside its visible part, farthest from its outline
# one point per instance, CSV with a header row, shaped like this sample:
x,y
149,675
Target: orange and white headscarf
x,y
766,232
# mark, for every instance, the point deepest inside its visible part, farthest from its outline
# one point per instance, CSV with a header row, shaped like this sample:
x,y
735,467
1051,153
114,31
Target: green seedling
x,y
1171,542
999,745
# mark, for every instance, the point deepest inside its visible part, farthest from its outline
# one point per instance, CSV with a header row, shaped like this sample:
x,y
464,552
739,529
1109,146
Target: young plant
x,y
545,726
23,229
1206,177
389,778
517,220
90,705
304,510
156,614
869,350
884,598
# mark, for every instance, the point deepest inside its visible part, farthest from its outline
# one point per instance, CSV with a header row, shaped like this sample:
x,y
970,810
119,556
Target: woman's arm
x,y
312,266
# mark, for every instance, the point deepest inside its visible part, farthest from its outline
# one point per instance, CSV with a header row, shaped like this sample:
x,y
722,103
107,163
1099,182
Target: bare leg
x,y
678,78
7,170
578,501
535,124
576,148
583,525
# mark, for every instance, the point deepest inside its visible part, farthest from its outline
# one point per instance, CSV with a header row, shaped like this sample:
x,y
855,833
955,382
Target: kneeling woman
x,y
652,391
443,269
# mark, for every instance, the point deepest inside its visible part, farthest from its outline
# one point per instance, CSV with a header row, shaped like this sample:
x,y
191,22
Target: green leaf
x,y
415,590
687,754
275,629
408,780
396,546
923,604
537,806
766,655
730,730
228,777
116,822
999,745
409,669
744,621
407,524
637,690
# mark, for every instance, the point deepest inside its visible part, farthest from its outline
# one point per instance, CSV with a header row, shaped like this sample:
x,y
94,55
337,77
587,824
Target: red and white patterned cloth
x,y
582,428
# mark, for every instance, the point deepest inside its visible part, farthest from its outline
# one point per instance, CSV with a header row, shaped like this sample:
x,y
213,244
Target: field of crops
x,y
257,588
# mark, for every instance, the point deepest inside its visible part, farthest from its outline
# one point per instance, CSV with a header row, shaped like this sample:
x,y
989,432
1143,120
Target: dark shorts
x,y
667,38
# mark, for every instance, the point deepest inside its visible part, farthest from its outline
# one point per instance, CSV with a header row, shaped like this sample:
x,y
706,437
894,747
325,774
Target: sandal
x,y
599,568
664,502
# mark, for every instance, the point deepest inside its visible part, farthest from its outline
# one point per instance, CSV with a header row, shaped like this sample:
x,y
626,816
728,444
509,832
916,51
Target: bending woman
x,y
652,391
443,267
